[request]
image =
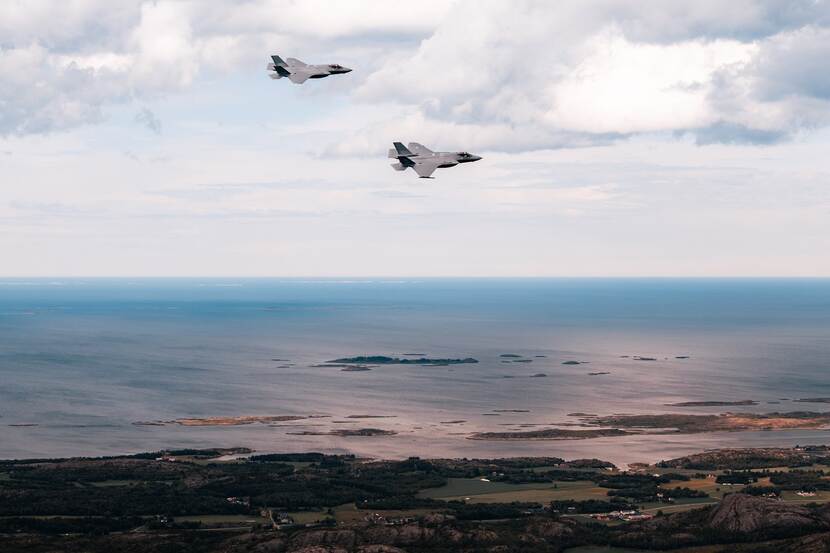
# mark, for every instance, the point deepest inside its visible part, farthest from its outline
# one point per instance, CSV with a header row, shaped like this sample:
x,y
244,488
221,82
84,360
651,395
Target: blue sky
x,y
619,138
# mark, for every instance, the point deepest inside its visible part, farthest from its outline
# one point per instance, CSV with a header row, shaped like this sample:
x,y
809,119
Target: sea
x,y
83,360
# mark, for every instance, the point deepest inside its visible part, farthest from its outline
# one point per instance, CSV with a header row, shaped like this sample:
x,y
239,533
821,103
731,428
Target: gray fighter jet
x,y
424,161
298,72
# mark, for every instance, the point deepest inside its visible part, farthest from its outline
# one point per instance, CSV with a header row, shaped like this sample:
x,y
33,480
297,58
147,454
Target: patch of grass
x,y
499,492
210,520
307,517
465,487
111,483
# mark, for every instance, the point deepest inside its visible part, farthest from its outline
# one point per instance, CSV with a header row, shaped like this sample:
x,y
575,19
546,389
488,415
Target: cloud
x,y
149,120
508,76
734,133
751,72
791,64
63,64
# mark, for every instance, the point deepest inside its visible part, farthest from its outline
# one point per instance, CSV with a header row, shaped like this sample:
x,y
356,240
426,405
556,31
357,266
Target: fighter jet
x,y
298,72
424,161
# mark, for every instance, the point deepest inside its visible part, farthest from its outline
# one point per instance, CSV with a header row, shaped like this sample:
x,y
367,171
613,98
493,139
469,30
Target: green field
x,y
210,520
348,513
475,490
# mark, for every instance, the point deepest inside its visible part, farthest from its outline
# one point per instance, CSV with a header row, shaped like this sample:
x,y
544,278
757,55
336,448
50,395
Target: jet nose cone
x,y
346,70
475,158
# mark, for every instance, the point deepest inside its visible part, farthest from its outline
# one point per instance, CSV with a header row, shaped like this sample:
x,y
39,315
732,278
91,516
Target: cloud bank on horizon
x,y
719,92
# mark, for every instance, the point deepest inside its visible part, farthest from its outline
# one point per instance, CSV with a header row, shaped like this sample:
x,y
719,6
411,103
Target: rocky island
x,y
712,403
670,423
349,432
549,434
384,360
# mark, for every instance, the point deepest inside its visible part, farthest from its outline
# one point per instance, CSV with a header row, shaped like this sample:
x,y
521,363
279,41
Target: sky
x,y
619,138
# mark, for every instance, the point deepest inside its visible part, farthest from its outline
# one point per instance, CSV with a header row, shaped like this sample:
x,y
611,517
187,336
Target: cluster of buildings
x,y
284,521
377,518
626,516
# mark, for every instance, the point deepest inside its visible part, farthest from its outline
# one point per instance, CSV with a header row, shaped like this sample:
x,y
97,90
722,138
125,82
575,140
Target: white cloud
x,y
74,59
581,109
592,70
537,74
625,87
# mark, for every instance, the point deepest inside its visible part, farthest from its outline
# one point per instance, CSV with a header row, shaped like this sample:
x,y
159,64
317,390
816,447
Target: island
x,y
230,420
724,422
347,432
549,434
711,403
384,360
669,423
235,421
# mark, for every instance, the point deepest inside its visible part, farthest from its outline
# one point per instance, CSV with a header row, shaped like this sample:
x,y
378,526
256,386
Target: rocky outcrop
x,y
398,535
270,546
549,529
319,549
379,549
415,534
344,539
746,514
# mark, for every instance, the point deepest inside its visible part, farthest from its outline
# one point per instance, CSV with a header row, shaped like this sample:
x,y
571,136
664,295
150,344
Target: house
x,y
283,518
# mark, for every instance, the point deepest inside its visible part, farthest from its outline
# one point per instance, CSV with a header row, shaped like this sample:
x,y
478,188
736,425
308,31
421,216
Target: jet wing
x,y
425,168
295,62
419,149
299,77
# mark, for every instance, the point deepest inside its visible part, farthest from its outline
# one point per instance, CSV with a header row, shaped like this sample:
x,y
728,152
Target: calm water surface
x,y
85,358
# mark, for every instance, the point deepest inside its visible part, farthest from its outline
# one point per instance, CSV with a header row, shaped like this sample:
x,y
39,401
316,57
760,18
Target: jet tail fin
x,y
278,61
401,150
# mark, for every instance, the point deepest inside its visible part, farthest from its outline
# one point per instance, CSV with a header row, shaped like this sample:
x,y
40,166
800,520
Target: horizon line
x,y
395,277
